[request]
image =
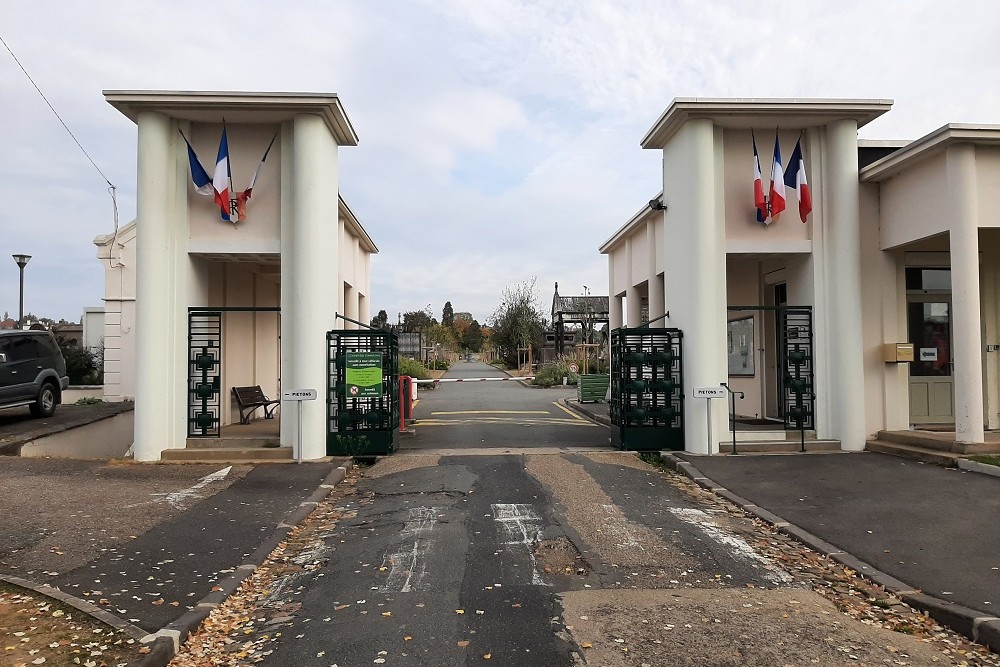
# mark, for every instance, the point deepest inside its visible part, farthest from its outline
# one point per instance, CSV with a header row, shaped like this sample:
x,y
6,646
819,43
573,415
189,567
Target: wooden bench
x,y
251,398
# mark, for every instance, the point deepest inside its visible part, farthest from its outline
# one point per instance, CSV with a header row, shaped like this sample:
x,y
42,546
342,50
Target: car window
x,y
46,347
22,348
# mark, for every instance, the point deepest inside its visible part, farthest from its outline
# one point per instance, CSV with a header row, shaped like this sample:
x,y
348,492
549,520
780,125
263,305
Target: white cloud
x,y
499,138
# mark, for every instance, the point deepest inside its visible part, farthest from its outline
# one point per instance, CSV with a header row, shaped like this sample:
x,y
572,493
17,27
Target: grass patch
x,y
34,627
988,459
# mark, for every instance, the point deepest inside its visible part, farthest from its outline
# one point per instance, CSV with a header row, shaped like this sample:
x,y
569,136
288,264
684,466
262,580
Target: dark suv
x,y
32,371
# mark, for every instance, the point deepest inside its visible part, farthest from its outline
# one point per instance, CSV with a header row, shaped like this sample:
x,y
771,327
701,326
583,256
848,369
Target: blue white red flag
x,y
758,185
776,197
222,179
795,177
241,198
202,183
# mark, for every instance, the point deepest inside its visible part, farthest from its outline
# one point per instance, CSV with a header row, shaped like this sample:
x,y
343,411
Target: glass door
x,y
931,385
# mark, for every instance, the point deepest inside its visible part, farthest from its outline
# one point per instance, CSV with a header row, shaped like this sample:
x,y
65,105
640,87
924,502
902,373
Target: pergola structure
x,y
587,311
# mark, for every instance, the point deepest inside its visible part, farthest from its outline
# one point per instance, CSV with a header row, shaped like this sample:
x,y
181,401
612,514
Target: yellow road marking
x,y
494,412
568,411
499,420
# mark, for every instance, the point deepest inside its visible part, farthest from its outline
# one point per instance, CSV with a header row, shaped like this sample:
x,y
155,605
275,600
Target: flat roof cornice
x,y
746,113
236,107
928,146
640,218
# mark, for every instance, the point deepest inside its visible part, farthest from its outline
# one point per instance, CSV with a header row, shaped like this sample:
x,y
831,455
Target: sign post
x,y
299,395
708,393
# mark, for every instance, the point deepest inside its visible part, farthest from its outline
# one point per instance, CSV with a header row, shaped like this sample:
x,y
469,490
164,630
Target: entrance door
x,y
931,386
774,340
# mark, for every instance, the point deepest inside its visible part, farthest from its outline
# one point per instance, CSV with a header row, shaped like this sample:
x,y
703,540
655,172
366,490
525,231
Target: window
x,y
928,280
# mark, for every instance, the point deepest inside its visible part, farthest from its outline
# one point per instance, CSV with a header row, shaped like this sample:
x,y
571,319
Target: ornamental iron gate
x,y
204,414
796,363
647,389
794,370
362,392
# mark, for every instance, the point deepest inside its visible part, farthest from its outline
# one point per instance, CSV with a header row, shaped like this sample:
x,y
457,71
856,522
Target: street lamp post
x,y
22,261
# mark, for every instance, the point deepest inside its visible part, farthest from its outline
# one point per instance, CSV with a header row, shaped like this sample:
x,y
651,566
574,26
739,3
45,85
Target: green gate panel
x,y
592,388
362,412
647,389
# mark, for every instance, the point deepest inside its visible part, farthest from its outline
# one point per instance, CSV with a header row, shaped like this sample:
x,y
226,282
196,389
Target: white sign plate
x,y
928,354
299,395
710,392
573,368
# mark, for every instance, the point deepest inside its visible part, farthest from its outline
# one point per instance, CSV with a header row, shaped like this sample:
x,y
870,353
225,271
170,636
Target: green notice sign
x,y
364,374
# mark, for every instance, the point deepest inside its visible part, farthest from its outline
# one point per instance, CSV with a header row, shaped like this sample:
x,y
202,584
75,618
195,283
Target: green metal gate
x,y
362,392
204,374
647,389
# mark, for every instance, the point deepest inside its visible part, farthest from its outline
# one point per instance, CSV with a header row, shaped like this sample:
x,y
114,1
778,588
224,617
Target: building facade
x,y
898,248
274,280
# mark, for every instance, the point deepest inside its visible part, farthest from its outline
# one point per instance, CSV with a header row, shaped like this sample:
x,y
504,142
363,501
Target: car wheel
x,y
46,402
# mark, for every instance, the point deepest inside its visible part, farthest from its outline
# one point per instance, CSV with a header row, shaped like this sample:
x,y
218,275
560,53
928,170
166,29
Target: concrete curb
x,y
575,407
976,466
166,642
977,626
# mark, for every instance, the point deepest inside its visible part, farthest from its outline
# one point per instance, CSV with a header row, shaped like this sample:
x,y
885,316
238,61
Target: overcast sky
x,y
499,141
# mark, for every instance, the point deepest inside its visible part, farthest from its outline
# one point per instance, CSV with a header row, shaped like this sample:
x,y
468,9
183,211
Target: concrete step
x,y
939,441
229,442
924,454
229,454
790,446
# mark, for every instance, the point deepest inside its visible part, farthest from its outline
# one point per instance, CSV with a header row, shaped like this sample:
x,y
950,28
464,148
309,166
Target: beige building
x,y
900,247
195,305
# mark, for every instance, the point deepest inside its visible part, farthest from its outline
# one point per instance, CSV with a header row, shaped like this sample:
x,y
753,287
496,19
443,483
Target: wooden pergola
x,y
587,311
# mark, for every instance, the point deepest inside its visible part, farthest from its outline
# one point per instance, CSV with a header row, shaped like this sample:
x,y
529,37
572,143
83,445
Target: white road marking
x,y
619,528
177,498
738,547
407,564
518,528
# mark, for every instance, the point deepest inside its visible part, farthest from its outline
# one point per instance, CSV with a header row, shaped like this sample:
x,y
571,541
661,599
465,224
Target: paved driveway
x,y
934,528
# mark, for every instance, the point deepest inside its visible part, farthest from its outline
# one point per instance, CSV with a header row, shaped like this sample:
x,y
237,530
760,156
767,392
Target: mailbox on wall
x,y
897,353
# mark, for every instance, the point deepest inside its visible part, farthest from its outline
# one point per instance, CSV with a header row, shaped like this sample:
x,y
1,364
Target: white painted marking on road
x,y
177,498
407,564
738,547
618,527
518,528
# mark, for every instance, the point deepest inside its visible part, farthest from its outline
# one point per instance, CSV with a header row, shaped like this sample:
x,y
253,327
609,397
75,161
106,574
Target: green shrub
x,y
413,368
440,365
553,373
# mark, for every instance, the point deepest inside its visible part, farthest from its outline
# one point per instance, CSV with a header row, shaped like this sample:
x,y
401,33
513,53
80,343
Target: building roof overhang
x,y
928,146
747,113
236,107
355,226
639,219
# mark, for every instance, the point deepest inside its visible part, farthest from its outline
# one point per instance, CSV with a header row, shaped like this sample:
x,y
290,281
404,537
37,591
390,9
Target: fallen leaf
x,y
387,613
144,650
586,645
487,656
459,611
158,602
216,589
407,638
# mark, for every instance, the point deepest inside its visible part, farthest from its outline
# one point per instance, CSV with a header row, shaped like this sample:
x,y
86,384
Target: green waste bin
x,y
592,388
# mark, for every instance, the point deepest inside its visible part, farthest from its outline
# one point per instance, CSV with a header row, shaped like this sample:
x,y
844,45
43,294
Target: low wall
x,y
105,438
74,393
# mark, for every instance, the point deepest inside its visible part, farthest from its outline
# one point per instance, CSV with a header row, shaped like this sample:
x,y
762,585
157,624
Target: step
x,y
229,442
939,441
924,454
228,454
776,435
774,446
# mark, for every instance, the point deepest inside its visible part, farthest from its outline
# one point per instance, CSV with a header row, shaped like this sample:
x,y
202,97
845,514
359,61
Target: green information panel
x,y
364,374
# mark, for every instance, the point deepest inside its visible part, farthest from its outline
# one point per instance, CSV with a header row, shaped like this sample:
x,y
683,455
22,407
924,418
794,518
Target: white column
x,y
308,304
841,287
699,281
657,300
966,344
633,304
615,316
154,260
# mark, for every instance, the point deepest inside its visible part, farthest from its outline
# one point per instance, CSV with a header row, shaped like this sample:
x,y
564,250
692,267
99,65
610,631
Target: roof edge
x,y
928,145
625,229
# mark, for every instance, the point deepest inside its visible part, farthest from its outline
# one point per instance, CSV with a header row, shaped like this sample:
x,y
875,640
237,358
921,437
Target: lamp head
x,y
657,204
21,260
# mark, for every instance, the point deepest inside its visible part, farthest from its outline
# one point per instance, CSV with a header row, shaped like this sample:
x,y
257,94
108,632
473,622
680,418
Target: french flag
x,y
222,180
795,177
241,198
202,183
758,185
777,194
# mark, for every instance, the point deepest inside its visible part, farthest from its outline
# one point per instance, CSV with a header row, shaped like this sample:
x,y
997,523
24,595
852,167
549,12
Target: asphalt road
x,y
934,528
507,416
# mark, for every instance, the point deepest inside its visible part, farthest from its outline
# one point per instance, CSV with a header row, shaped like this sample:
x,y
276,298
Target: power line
x,y
112,190
35,85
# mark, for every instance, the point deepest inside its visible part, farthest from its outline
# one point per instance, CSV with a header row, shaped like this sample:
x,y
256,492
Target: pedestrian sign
x,y
364,374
